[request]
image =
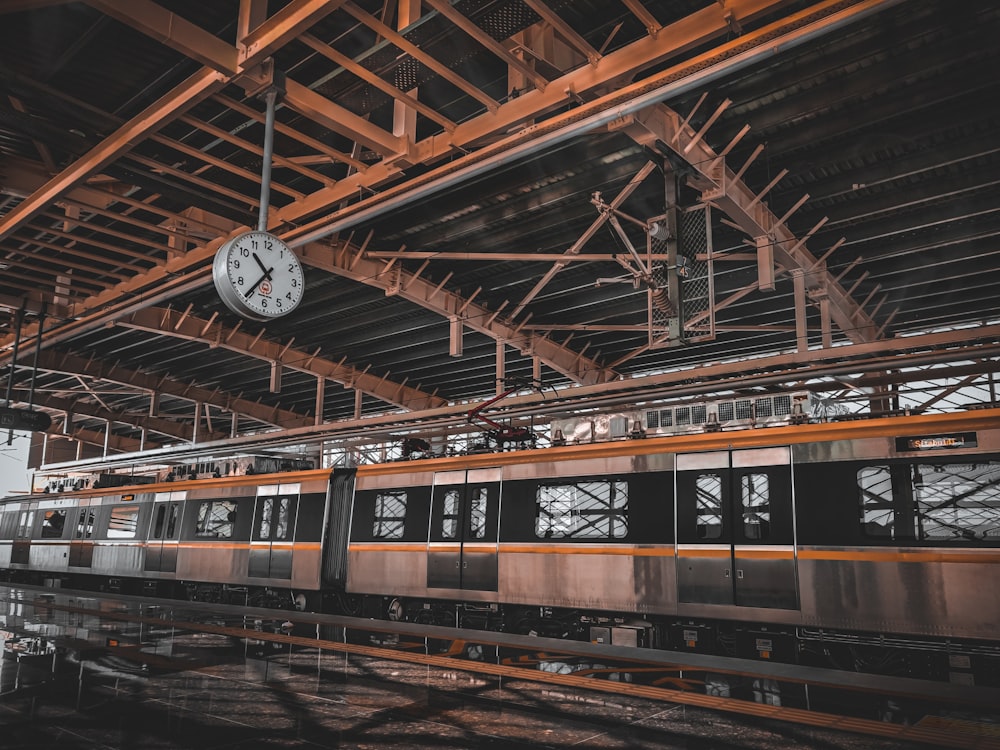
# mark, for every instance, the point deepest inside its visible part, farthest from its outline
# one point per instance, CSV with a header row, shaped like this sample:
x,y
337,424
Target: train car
x,y
835,540
251,538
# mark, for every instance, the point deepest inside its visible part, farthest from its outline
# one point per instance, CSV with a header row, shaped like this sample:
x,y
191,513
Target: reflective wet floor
x,y
84,677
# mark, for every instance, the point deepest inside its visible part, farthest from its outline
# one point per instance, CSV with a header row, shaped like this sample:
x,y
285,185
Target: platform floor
x,y
78,678
306,700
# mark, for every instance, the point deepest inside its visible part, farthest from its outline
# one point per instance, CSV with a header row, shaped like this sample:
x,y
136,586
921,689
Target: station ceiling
x,y
580,201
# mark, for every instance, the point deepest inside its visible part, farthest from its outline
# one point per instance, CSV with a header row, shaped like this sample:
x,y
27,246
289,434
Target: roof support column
x,y
801,329
404,117
501,366
320,399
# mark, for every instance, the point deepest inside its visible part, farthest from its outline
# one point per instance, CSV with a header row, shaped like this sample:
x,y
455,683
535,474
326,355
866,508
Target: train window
x,y
85,524
588,509
878,513
390,514
755,495
449,515
53,524
957,501
708,491
124,522
216,519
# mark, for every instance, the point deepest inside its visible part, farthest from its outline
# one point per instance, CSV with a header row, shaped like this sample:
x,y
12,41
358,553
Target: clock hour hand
x,y
267,275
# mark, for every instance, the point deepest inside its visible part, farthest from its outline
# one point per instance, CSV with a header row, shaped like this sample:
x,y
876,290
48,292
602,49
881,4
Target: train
x,y
871,544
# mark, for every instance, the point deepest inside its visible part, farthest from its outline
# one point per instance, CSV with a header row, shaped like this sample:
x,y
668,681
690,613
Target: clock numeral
x,y
268,245
245,252
291,268
278,302
236,263
240,281
253,245
295,283
288,295
263,302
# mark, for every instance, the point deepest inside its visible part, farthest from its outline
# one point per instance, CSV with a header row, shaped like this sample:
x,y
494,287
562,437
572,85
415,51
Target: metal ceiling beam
x,y
659,126
574,249
72,364
307,102
202,84
346,261
114,443
622,64
783,370
283,27
319,146
258,151
490,257
422,57
445,8
171,428
167,322
563,29
375,80
172,30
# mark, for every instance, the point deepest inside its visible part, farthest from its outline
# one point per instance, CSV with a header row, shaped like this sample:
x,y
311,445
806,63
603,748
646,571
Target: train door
x,y
81,546
164,532
735,528
273,531
462,543
20,549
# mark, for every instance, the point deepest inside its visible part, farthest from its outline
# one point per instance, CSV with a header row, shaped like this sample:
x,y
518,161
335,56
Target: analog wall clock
x,y
258,276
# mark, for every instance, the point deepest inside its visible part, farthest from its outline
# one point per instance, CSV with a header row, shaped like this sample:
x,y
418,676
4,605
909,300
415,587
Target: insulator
x,y
661,301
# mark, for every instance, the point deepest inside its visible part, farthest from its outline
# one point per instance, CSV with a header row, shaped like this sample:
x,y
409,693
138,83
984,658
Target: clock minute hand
x,y
267,272
267,275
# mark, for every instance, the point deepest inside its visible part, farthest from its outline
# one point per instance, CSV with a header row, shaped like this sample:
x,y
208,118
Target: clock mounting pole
x,y
256,274
270,99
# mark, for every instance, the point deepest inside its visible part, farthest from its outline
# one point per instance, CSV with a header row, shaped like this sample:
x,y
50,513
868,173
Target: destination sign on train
x,y
936,442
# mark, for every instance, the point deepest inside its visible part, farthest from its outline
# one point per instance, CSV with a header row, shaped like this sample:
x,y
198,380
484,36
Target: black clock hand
x,y
267,275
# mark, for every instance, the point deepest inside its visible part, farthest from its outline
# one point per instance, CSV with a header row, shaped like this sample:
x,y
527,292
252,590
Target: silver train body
x,y
885,527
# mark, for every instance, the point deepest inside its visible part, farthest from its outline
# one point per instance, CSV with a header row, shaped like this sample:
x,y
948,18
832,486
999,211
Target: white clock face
x,y
258,276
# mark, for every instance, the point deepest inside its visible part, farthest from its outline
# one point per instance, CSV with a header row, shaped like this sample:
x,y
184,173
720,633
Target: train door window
x,y
582,510
159,521
267,510
25,523
957,501
216,519
877,501
53,524
755,498
449,516
708,506
477,514
275,516
85,524
123,522
390,515
172,513
165,519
